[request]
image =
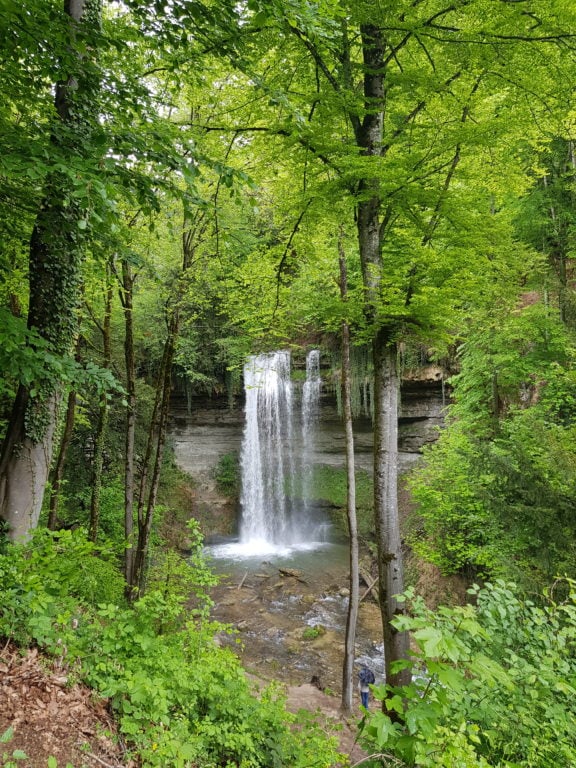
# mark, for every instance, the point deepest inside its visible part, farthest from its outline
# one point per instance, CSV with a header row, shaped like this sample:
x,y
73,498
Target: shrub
x,y
227,474
494,684
179,698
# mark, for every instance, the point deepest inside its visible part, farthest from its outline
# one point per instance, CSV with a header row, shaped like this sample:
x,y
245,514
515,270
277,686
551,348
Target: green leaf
x,y
430,640
386,730
452,678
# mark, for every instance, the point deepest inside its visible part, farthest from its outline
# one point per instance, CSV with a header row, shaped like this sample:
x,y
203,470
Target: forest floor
x,y
52,718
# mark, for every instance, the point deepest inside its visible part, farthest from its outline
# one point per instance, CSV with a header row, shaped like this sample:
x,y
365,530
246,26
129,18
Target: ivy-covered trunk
x,y
56,249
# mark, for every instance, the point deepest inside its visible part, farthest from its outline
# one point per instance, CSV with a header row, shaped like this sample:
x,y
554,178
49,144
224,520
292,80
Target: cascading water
x,y
266,455
276,459
310,414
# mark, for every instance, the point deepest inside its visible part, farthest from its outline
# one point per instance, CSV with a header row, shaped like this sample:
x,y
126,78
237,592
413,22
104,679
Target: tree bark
x,y
155,447
58,470
370,227
103,416
157,434
354,586
126,297
386,519
54,267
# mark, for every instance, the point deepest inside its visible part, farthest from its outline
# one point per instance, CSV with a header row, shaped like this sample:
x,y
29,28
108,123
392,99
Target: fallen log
x,y
369,589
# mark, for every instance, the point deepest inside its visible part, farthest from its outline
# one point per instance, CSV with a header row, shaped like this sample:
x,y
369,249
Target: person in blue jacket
x,y
365,680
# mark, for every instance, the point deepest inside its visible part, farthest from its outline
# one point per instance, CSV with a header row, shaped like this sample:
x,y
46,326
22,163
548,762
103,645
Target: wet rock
x,y
293,573
327,639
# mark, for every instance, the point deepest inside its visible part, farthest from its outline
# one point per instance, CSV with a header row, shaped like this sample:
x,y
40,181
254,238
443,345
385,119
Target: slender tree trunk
x,y
157,432
103,416
127,295
155,448
371,225
386,519
354,599
54,267
58,470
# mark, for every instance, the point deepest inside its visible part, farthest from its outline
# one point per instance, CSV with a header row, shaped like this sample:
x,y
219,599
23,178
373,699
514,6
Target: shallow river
x,y
289,608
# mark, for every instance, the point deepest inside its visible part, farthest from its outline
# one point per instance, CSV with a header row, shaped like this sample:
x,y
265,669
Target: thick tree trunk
x,y
24,467
54,267
354,598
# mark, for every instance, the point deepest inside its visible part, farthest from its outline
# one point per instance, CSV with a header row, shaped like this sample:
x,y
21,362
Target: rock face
x,y
211,430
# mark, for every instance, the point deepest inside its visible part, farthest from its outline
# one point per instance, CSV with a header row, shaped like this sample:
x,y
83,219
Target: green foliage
x,y
452,526
49,583
328,485
311,633
179,697
28,359
227,475
495,494
190,579
493,684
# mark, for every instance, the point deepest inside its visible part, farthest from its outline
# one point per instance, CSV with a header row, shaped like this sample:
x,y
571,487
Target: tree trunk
x,y
126,297
156,441
370,227
157,432
103,415
58,471
24,467
387,523
54,268
353,600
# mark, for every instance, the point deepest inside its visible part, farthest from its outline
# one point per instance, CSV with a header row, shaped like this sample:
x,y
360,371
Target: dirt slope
x,y
51,717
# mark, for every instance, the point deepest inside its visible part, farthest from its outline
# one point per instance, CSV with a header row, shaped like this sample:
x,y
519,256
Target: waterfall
x,y
266,453
275,457
310,413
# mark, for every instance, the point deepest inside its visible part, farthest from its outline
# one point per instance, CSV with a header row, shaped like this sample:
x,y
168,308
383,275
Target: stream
x,y
289,611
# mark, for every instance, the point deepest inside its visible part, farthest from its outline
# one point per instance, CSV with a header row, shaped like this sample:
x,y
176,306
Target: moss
x,y
227,475
328,485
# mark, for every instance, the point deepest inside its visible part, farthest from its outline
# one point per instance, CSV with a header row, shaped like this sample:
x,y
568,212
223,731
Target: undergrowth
x,y
180,699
